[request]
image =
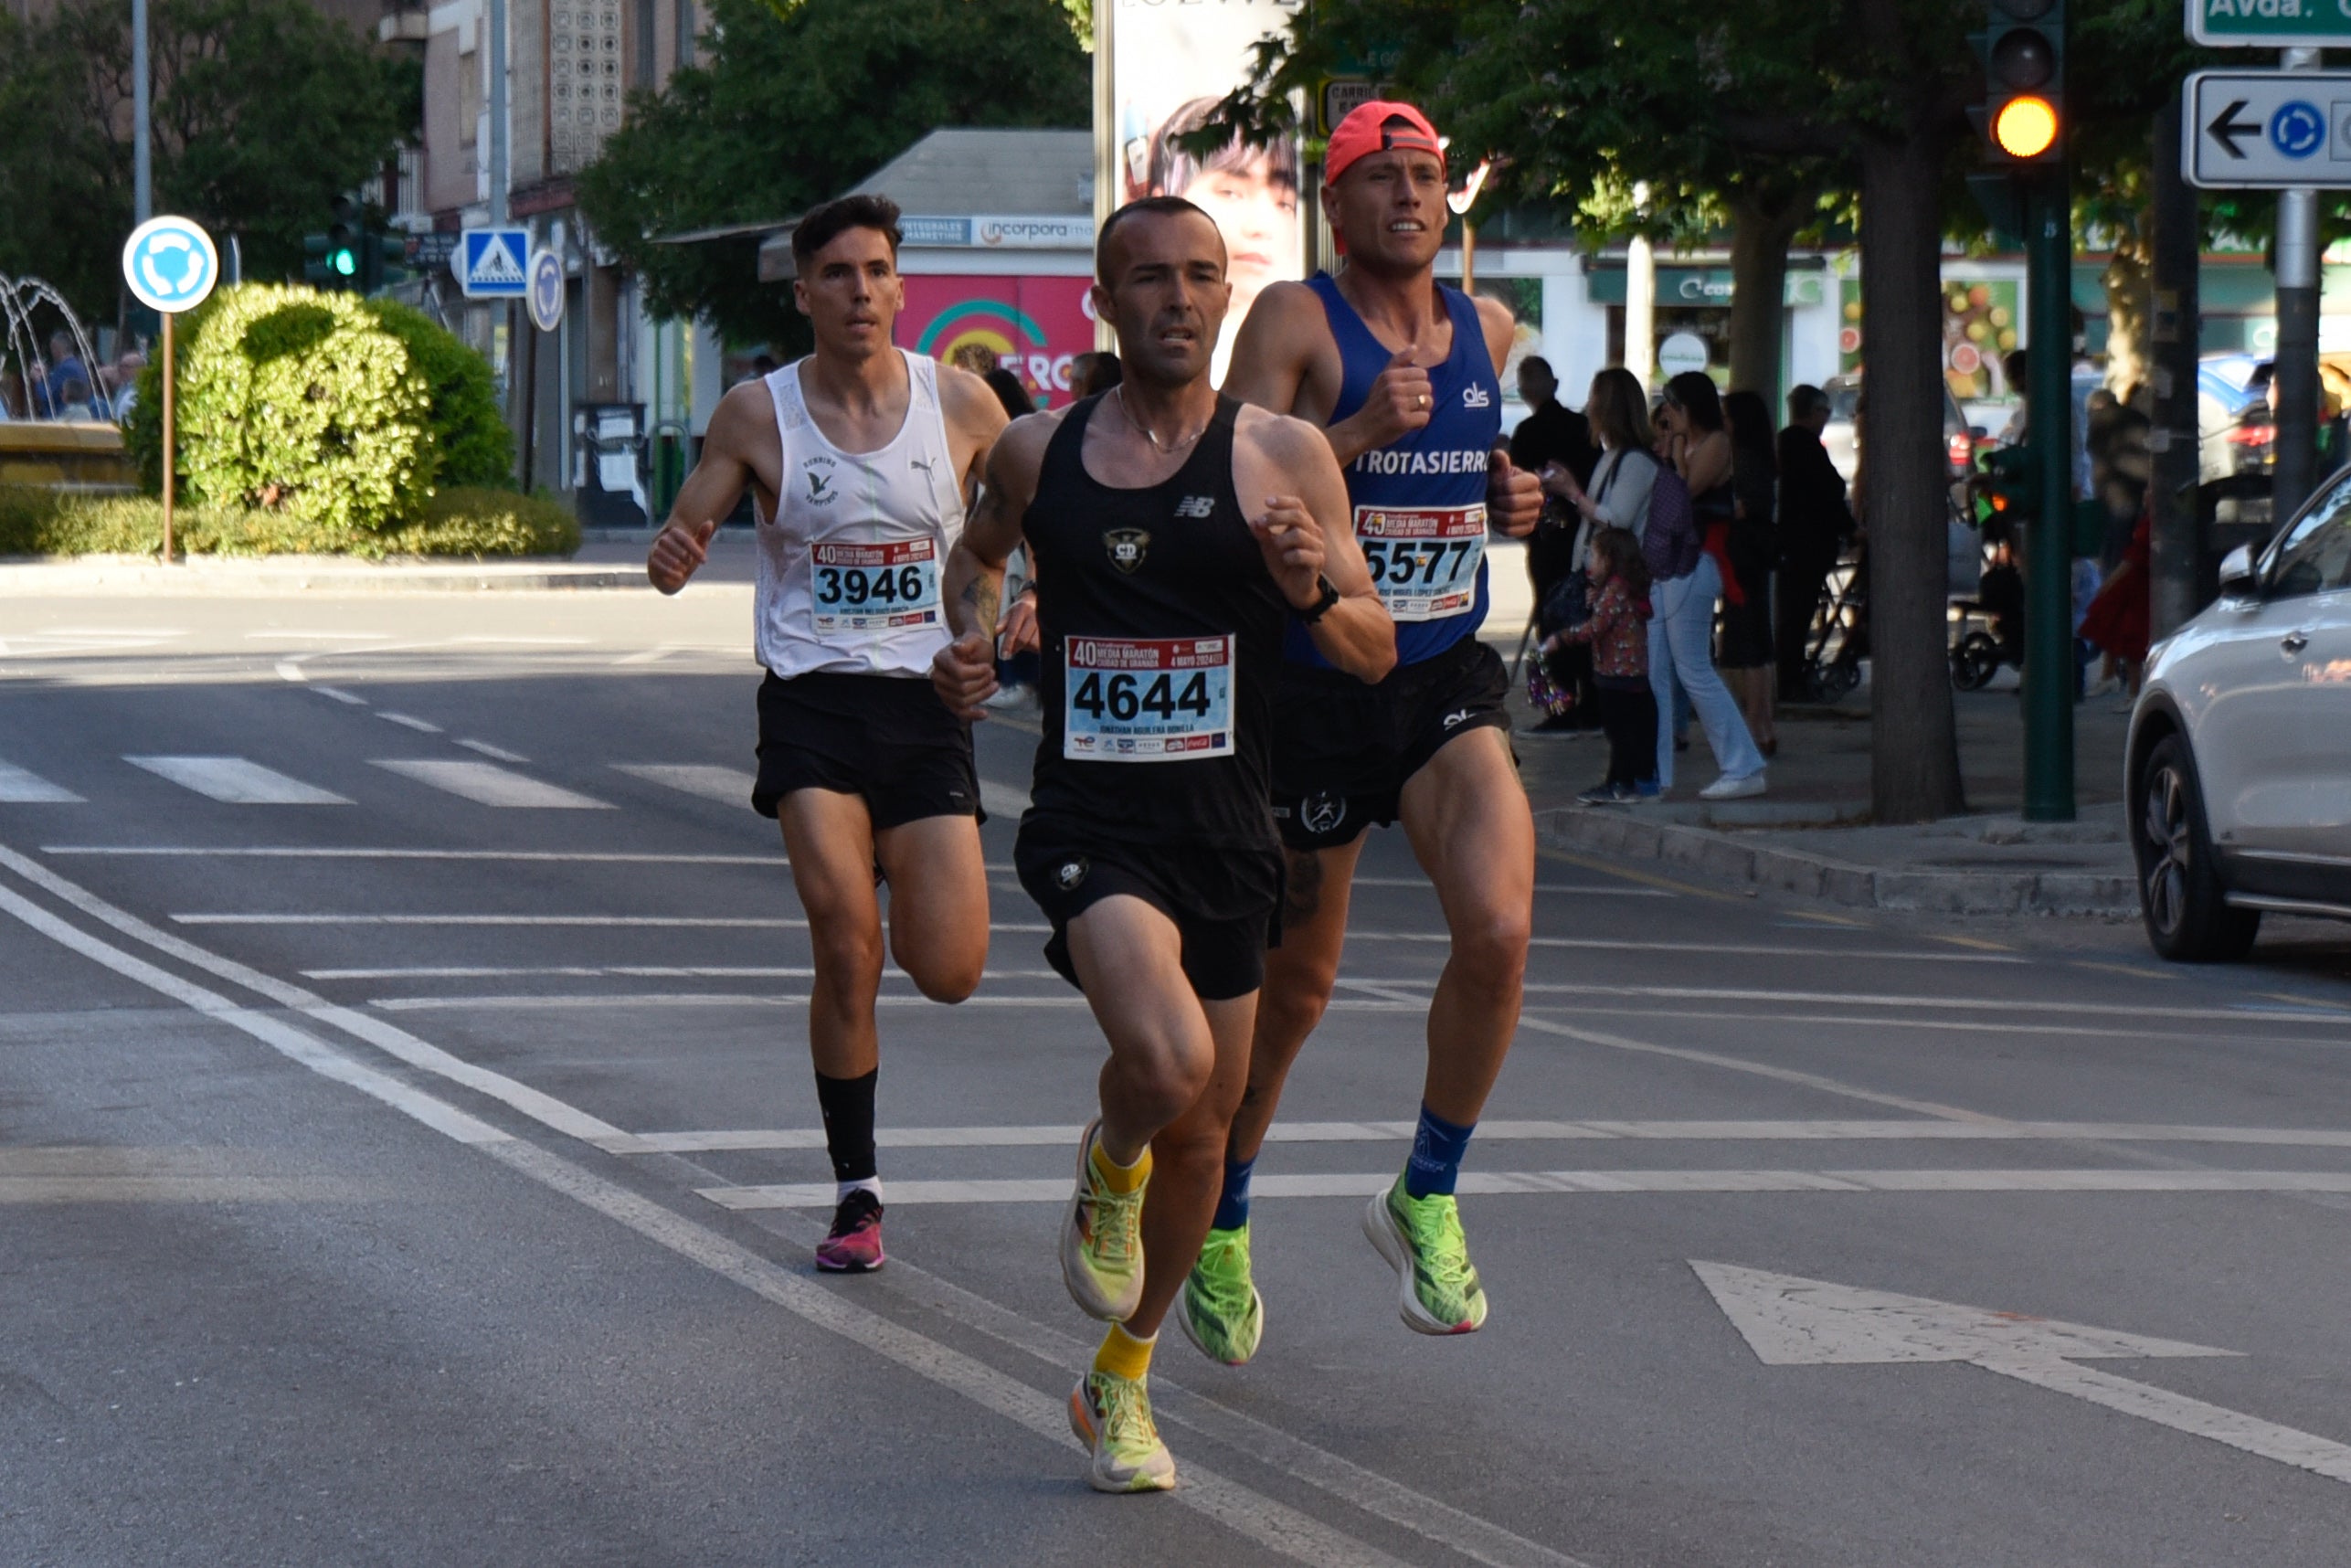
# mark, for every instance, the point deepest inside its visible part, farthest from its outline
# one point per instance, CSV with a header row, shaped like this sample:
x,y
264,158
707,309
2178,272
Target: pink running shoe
x,y
854,1244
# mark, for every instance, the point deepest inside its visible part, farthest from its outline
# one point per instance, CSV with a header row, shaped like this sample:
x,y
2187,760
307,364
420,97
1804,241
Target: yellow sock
x,y
1116,1177
1123,1355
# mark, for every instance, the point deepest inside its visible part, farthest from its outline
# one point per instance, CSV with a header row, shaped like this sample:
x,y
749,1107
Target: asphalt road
x,y
412,1158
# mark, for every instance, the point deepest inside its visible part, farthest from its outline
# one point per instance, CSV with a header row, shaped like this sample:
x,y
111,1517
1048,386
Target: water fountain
x,y
74,451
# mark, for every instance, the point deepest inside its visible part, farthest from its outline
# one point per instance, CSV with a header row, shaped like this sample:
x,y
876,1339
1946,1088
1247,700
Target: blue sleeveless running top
x,y
1420,505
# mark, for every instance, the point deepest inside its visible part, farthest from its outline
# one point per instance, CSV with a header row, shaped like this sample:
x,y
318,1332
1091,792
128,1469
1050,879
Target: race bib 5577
x,y
1423,559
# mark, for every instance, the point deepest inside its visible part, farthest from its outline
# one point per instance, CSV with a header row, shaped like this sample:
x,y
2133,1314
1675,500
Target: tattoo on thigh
x,y
1303,895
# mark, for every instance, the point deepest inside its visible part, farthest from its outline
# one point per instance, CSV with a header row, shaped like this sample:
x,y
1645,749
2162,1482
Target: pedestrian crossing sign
x,y
493,263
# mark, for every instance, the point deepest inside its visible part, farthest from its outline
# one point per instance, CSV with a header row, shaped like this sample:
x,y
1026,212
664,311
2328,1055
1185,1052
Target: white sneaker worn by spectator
x,y
1733,789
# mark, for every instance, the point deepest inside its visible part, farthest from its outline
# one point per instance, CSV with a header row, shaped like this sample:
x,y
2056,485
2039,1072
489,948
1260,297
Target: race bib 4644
x,y
859,589
1131,699
1423,559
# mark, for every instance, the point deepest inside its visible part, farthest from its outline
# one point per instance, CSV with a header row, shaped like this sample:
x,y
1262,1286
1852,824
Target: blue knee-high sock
x,y
1437,1148
1232,1205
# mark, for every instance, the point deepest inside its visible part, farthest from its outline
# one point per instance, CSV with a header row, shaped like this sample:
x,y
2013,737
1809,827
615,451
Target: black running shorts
x,y
1342,749
885,737
1225,902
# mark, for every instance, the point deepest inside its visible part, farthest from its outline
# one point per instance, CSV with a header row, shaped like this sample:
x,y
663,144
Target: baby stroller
x,y
1839,639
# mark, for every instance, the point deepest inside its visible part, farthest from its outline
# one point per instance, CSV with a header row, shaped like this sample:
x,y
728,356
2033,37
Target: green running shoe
x,y
1422,1240
1112,1415
1102,1242
1220,1311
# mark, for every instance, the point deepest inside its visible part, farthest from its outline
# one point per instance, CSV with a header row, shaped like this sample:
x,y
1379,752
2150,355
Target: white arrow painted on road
x,y
1792,1322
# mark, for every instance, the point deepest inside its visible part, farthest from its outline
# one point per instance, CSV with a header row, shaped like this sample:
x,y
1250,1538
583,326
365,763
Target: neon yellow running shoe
x,y
1422,1240
1220,1311
1102,1242
1112,1415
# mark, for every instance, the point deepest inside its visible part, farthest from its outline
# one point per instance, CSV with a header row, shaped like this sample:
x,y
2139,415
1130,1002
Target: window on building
x,y
646,75
685,33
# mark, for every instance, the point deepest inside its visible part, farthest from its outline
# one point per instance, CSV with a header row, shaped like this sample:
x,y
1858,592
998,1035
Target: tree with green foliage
x,y
264,110
792,104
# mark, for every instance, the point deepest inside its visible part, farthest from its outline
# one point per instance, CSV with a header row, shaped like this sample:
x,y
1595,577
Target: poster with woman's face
x,y
1172,62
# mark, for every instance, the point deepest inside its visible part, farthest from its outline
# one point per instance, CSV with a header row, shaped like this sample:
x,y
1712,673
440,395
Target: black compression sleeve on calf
x,y
848,1107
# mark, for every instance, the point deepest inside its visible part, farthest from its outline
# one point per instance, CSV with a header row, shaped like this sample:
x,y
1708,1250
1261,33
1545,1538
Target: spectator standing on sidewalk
x,y
1616,633
1748,653
1814,524
1681,635
1554,433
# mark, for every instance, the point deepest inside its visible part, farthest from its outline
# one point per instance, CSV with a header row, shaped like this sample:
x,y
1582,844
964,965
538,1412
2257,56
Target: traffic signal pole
x,y
2049,426
2296,369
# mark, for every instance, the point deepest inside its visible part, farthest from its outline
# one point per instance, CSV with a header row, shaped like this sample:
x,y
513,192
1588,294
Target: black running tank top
x,y
1162,636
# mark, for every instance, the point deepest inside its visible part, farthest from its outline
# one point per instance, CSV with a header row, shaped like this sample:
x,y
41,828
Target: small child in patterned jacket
x,y
1619,636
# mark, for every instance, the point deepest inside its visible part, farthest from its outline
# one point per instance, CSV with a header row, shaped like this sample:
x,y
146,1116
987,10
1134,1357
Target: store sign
x,y
1005,232
1704,287
1033,328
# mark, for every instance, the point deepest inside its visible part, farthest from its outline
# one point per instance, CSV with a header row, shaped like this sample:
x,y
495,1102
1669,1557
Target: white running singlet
x,y
850,564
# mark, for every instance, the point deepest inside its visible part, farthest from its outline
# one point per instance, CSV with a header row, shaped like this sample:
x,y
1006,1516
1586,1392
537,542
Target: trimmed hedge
x,y
342,413
460,521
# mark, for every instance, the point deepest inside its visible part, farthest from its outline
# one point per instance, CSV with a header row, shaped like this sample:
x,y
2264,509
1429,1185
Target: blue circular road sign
x,y
2297,129
170,264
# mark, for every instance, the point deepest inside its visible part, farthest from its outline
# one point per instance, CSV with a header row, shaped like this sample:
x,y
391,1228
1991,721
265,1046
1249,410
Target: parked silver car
x,y
2239,768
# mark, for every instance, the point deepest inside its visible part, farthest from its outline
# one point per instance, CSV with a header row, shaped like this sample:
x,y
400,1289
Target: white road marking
x,y
409,721
1578,888
20,788
1941,1003
351,699
727,786
646,656
627,922
626,972
1502,1183
235,781
541,1003
318,636
1636,945
487,784
1270,1523
330,851
520,642
1792,1322
1015,1137
1003,800
495,753
292,670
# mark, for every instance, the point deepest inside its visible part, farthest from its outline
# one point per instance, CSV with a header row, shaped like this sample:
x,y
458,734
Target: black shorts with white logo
x,y
887,738
1225,901
1342,749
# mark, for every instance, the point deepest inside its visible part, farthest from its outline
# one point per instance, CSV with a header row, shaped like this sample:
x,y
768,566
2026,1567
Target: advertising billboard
x,y
1171,63
1034,325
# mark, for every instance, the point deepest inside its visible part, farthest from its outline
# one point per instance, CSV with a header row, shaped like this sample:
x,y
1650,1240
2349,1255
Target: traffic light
x,y
343,244
2006,488
2023,49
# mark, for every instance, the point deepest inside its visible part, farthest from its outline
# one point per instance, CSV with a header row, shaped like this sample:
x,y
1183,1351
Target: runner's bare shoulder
x,y
968,403
1290,444
1019,454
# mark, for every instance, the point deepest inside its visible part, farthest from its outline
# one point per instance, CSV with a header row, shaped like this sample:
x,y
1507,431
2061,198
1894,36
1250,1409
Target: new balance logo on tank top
x,y
850,563
1162,634
1420,505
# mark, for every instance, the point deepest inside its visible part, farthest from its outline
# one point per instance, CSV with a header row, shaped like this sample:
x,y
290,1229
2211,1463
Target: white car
x,y
2239,768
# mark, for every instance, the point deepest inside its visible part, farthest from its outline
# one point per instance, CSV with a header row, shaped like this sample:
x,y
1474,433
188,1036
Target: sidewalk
x,y
1812,834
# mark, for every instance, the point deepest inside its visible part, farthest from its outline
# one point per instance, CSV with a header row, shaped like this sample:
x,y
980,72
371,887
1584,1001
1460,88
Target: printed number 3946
x,y
858,587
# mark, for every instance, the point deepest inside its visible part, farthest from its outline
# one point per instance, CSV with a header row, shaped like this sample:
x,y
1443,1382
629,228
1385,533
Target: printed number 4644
x,y
1123,695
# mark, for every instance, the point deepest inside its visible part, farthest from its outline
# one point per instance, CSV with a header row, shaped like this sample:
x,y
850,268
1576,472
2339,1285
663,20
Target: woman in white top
x,y
1619,495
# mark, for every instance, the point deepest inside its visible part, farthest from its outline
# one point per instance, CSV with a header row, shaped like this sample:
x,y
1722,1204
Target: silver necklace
x,y
1144,431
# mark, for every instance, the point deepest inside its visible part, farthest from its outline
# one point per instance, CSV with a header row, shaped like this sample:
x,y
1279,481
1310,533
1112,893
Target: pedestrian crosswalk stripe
x,y
18,788
727,786
237,781
487,784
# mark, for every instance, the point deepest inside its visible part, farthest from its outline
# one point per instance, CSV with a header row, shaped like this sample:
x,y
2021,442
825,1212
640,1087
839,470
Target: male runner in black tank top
x,y
1150,846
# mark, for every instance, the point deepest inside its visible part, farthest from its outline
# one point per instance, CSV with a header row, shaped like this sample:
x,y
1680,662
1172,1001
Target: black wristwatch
x,y
1323,600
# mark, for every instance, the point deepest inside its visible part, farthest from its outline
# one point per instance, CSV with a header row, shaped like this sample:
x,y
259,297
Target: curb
x,y
299,575
1767,867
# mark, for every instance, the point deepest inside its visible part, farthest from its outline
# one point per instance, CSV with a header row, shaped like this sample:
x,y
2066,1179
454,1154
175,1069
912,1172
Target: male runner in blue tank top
x,y
1403,375
1179,536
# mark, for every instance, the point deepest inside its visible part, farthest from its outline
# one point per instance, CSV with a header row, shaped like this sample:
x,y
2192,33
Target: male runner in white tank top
x,y
860,458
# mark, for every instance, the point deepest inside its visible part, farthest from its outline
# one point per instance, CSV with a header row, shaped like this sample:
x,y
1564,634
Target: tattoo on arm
x,y
985,596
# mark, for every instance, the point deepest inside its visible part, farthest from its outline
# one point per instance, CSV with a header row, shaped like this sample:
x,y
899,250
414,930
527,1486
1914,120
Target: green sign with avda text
x,y
2270,24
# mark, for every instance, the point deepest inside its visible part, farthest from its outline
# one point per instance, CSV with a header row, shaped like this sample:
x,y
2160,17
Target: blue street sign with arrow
x,y
2267,130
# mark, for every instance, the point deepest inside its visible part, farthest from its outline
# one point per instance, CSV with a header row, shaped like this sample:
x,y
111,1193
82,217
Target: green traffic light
x,y
344,262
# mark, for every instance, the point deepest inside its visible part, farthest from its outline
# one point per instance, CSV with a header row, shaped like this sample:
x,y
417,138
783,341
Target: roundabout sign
x,y
170,264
